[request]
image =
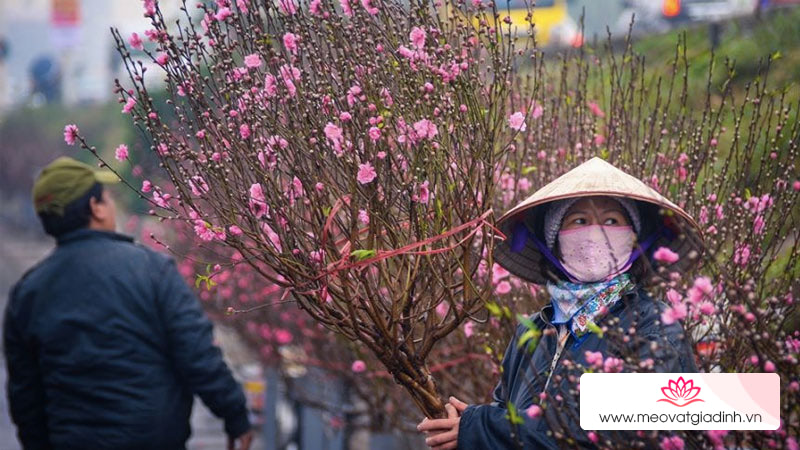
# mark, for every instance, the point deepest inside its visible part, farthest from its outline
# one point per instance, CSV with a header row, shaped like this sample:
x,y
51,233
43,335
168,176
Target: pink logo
x,y
680,392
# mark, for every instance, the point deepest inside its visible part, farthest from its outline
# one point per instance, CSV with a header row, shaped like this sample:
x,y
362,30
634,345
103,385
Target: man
x,y
105,343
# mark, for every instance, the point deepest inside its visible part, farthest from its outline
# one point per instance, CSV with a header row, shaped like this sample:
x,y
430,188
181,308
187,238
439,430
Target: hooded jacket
x,y
106,345
525,373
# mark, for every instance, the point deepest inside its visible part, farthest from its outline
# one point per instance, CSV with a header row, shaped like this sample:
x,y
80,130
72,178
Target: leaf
x,y
361,255
326,210
747,194
777,55
529,169
513,416
494,309
604,153
595,329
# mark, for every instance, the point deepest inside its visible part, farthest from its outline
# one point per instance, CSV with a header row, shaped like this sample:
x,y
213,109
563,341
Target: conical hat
x,y
592,178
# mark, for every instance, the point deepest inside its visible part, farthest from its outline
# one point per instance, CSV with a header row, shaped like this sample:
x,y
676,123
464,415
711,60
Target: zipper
x,y
563,335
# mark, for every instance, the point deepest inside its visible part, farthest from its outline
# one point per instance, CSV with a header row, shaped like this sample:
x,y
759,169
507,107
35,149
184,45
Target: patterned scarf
x,y
581,304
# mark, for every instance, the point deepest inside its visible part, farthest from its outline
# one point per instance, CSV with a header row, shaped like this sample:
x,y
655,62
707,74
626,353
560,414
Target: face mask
x,y
596,252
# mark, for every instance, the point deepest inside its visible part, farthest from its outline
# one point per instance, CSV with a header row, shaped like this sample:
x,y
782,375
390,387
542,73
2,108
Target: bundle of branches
x,y
348,149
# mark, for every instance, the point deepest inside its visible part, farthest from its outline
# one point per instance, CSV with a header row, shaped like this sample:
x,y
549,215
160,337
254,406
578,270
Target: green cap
x,y
65,180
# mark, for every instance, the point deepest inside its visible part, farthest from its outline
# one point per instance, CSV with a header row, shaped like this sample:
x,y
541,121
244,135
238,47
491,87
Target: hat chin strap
x,y
522,234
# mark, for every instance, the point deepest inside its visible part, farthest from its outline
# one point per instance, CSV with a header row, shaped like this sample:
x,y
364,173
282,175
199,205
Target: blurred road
x,y
20,250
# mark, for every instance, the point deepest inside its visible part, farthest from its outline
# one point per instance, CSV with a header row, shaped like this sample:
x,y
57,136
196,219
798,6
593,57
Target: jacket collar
x,y
544,318
86,233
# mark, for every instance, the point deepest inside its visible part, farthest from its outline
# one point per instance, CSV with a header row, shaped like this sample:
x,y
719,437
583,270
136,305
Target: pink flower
x,y
592,436
244,130
424,194
71,134
201,134
121,153
287,7
162,59
595,109
282,336
533,411
333,132
594,359
612,365
665,255
517,121
707,308
417,37
258,205
135,41
358,366
503,287
234,230
253,61
346,8
363,216
796,185
129,104
315,6
741,255
537,111
290,42
368,6
673,314
161,200
147,186
758,225
223,13
469,328
672,443
673,296
599,139
769,366
425,129
704,284
374,133
366,173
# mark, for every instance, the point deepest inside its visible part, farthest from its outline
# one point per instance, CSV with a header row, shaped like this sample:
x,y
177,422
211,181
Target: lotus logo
x,y
680,392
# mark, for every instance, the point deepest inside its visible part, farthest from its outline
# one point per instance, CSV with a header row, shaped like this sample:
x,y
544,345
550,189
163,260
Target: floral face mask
x,y
596,252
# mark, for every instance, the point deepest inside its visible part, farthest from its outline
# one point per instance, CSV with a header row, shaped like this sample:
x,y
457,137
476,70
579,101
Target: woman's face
x,y
594,211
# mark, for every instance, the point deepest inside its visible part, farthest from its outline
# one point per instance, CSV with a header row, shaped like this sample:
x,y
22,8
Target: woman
x,y
588,236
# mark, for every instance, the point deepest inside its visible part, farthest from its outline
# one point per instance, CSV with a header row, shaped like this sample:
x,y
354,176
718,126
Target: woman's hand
x,y
443,433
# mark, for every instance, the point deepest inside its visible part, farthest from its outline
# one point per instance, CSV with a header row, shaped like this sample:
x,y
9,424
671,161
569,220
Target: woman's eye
x,y
580,221
610,221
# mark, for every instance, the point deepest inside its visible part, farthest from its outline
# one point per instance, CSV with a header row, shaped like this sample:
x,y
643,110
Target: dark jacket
x,y
106,345
525,373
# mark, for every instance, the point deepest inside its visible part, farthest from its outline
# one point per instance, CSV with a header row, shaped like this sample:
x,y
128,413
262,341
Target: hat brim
x,y
594,178
105,177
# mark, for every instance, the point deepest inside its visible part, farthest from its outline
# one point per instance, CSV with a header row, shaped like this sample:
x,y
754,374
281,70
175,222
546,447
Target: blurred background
x,y
58,63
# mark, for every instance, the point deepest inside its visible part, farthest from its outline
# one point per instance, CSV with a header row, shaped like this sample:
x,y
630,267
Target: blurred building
x,y
62,50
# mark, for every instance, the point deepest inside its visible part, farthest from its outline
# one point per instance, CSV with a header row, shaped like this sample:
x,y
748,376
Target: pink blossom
x,y
198,185
758,225
201,134
672,443
282,336
469,328
425,129
595,109
367,4
346,8
537,111
253,60
673,296
363,216
533,411
161,200
162,59
270,85
287,7
223,13
258,204
315,6
502,288
333,132
234,230
71,134
704,284
673,314
424,194
290,42
599,139
366,173
244,131
121,153
769,366
796,185
162,149
358,366
741,255
791,443
374,133
707,308
136,42
665,255
594,359
417,37
517,121
592,436
612,365
147,186
242,4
